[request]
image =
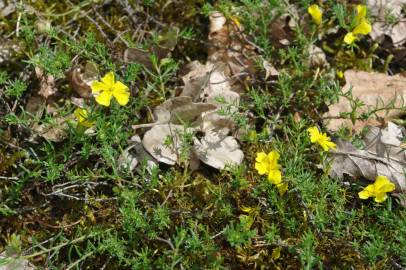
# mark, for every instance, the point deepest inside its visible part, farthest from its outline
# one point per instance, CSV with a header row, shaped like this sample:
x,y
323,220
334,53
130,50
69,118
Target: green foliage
x,y
69,204
16,89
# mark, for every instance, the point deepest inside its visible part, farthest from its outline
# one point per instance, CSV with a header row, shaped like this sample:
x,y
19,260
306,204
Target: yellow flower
x,y
282,187
363,28
82,117
268,164
321,138
316,13
378,189
361,12
108,88
349,38
340,74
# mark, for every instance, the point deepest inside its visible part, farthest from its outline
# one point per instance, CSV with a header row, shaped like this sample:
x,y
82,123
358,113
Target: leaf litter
x,y
208,90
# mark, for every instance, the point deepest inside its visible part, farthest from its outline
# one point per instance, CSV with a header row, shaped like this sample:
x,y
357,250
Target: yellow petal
x,y
367,192
364,195
361,12
380,197
340,74
246,209
314,134
262,168
120,86
97,86
261,164
80,114
104,98
316,13
108,79
349,38
276,253
382,184
273,157
260,157
275,177
122,96
364,28
282,188
326,144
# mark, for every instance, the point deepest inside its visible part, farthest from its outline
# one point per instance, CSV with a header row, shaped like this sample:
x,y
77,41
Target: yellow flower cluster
x,y
268,164
363,27
378,189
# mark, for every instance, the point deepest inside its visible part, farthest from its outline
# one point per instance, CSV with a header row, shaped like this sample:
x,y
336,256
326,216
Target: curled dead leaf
x,y
81,77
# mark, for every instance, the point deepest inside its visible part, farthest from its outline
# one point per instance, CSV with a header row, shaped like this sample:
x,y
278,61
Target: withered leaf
x,y
382,155
218,150
81,77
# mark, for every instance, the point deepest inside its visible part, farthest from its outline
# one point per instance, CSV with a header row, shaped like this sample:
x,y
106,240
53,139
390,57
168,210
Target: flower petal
x,y
326,144
260,157
108,79
273,157
120,86
364,28
104,98
361,12
349,38
380,197
316,13
282,188
261,167
97,86
80,114
275,177
314,134
383,184
366,192
122,95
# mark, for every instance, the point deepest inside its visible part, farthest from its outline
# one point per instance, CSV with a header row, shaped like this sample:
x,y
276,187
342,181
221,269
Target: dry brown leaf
x,y
154,141
381,28
397,32
317,58
218,150
81,77
231,51
382,155
373,89
55,132
166,40
34,105
47,84
280,33
179,110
